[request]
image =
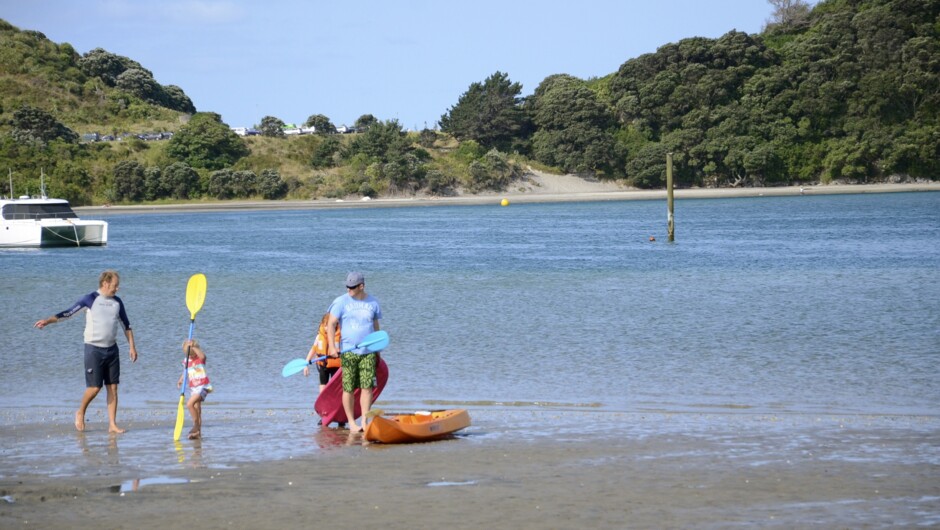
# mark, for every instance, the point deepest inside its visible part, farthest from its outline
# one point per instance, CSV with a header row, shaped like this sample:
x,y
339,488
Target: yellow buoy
x,y
505,202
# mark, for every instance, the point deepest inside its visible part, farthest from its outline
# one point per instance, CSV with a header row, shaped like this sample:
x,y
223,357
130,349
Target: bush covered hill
x,y
846,91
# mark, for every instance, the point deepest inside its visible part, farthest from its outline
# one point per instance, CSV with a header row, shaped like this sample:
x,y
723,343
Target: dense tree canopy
x,y
140,83
325,153
179,181
380,141
847,91
32,125
573,129
489,113
206,142
174,98
272,126
270,185
389,156
128,75
364,122
129,181
321,124
108,66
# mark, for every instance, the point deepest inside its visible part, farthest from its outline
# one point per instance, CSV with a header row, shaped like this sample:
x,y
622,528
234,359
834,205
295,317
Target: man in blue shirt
x,y
357,314
104,312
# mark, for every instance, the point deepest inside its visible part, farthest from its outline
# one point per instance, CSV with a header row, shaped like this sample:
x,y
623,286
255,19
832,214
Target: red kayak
x,y
330,403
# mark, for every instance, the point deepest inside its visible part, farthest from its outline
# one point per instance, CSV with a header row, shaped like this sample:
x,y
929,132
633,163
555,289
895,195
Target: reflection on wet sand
x,y
114,454
328,438
133,485
195,454
83,445
92,453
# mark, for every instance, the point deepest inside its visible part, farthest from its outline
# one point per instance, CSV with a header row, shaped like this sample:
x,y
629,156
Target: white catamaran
x,y
44,222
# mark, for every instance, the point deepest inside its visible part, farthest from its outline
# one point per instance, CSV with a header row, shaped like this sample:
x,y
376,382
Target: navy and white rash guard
x,y
102,318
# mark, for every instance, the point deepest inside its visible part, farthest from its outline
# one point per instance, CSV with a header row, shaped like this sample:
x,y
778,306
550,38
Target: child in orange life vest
x,y
199,385
328,367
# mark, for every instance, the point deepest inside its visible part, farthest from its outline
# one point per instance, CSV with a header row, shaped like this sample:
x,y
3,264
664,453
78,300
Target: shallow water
x,y
822,306
53,448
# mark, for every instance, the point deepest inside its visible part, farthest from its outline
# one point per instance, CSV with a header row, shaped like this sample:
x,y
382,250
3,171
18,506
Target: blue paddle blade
x,y
291,368
374,341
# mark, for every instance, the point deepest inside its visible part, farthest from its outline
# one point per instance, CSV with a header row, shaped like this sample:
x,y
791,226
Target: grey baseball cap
x,y
354,278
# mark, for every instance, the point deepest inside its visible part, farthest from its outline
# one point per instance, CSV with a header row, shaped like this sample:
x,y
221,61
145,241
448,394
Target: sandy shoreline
x,y
701,471
540,188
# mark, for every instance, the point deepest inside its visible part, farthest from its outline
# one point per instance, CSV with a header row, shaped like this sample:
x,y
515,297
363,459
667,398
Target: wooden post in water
x,y
671,224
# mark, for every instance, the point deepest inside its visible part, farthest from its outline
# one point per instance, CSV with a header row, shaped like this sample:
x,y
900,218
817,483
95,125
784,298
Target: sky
x,y
408,60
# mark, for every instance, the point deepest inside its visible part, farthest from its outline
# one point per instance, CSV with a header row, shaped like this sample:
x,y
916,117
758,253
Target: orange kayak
x,y
417,427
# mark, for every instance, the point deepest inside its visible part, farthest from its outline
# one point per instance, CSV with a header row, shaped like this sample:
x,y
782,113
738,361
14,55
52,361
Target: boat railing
x,y
20,211
22,216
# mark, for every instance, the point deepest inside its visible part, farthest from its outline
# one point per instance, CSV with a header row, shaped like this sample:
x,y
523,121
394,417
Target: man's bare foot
x,y
79,421
195,435
353,427
114,429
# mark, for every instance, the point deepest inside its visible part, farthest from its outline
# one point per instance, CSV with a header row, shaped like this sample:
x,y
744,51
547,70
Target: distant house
x,y
342,129
241,131
91,137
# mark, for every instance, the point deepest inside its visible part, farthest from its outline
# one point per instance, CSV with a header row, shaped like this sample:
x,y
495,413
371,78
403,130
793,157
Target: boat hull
x,y
74,234
410,428
80,234
47,222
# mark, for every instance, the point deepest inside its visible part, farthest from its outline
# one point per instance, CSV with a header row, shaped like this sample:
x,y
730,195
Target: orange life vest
x,y
321,347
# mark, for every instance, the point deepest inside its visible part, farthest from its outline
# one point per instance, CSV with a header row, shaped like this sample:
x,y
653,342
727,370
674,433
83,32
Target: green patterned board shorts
x,y
358,371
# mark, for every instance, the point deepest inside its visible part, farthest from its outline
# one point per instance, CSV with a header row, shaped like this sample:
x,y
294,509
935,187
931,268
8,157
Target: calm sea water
x,y
775,330
784,304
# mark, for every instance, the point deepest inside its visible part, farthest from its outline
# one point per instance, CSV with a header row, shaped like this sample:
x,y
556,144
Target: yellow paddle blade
x,y
180,416
375,412
195,294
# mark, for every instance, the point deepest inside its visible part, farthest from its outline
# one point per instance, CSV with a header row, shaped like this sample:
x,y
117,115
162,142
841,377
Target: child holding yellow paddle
x,y
199,385
195,296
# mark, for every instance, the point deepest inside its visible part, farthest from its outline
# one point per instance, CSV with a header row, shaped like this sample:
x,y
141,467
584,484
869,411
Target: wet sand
x,y
658,471
543,188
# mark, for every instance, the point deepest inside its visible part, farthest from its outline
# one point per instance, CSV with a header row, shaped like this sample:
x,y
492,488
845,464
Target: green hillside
x,y
37,72
848,91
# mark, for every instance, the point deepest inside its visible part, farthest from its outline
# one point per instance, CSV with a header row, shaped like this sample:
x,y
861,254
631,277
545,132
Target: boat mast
x,y
11,184
42,184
